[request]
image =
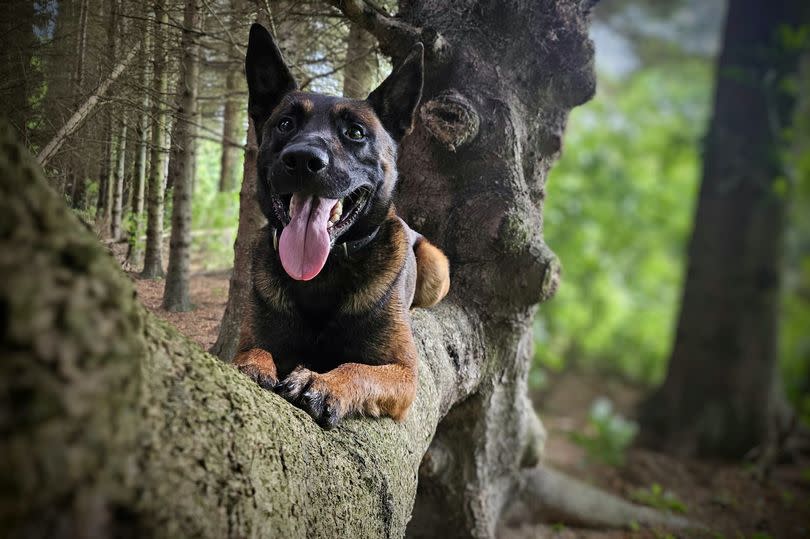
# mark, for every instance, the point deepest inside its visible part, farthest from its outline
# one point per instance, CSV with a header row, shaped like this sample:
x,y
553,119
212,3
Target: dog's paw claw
x,y
307,391
256,374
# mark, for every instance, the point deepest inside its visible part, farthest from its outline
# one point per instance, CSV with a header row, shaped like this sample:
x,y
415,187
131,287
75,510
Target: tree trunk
x,y
135,255
361,63
153,256
176,293
721,392
232,125
18,43
250,220
179,444
118,182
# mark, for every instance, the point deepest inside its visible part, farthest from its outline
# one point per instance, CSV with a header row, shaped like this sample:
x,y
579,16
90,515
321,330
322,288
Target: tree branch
x,y
78,117
396,37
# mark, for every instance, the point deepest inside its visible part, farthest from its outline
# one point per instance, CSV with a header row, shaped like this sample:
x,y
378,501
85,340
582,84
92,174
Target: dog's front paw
x,y
311,392
258,365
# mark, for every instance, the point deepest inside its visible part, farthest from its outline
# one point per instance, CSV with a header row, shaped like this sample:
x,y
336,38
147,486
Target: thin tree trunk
x,y
135,255
233,119
361,63
78,117
232,125
103,171
720,396
250,220
239,287
153,256
176,292
118,182
19,80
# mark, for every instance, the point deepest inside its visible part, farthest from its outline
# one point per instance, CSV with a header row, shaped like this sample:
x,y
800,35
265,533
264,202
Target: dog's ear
x,y
396,99
268,77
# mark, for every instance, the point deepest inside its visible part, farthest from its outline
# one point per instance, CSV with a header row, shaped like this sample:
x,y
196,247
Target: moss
x,y
515,236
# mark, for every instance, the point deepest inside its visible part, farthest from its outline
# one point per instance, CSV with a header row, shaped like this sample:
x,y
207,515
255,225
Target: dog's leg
x,y
358,388
432,274
256,363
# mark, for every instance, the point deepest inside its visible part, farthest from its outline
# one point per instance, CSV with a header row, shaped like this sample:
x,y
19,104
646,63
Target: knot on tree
x,y
551,277
451,119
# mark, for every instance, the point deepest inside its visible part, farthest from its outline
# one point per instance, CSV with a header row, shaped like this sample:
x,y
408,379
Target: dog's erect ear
x,y
396,99
268,77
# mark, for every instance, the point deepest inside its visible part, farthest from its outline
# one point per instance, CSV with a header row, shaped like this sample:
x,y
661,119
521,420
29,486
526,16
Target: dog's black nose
x,y
304,159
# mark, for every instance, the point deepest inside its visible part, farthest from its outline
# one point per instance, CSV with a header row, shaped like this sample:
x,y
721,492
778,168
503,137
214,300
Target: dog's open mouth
x,y
311,226
342,215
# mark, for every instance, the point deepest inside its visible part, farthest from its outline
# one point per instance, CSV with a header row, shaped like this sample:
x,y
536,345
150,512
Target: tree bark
x,y
118,182
232,123
361,63
176,292
78,117
232,117
179,444
18,43
250,220
721,394
135,255
153,256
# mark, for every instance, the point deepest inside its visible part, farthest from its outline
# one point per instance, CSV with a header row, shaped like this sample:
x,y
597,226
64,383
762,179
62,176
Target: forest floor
x,y
726,497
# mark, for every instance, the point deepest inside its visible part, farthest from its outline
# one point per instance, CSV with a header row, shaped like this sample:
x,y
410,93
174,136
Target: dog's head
x,y
326,165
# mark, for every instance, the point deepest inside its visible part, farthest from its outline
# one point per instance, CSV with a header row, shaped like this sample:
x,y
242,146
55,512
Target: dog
x,y
335,270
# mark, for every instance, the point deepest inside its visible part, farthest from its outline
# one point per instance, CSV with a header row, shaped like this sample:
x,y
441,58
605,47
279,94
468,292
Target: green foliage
x,y
607,435
659,498
214,213
618,215
794,341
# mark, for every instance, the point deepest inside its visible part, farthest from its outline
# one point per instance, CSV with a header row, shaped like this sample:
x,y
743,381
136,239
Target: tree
x,y
176,294
153,256
135,254
722,395
118,182
361,65
232,115
180,444
16,64
250,220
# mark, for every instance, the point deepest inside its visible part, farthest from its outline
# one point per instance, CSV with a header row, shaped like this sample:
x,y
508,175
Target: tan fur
x,y
432,274
359,388
256,363
381,282
306,105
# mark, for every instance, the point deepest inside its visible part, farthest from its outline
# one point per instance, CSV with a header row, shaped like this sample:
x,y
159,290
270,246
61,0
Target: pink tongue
x,y
304,244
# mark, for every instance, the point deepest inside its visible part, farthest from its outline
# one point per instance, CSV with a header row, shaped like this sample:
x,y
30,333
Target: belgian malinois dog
x,y
335,271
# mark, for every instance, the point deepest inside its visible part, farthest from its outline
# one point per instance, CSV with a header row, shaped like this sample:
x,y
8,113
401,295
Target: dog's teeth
x,y
337,211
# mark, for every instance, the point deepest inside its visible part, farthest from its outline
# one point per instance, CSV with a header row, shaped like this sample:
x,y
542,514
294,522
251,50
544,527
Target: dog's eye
x,y
285,125
355,132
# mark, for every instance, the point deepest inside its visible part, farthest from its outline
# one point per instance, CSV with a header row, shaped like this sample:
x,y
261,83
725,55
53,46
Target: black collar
x,y
346,248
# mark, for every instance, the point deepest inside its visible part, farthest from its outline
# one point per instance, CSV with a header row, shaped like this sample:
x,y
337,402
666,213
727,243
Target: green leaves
x,y
659,498
618,214
607,435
